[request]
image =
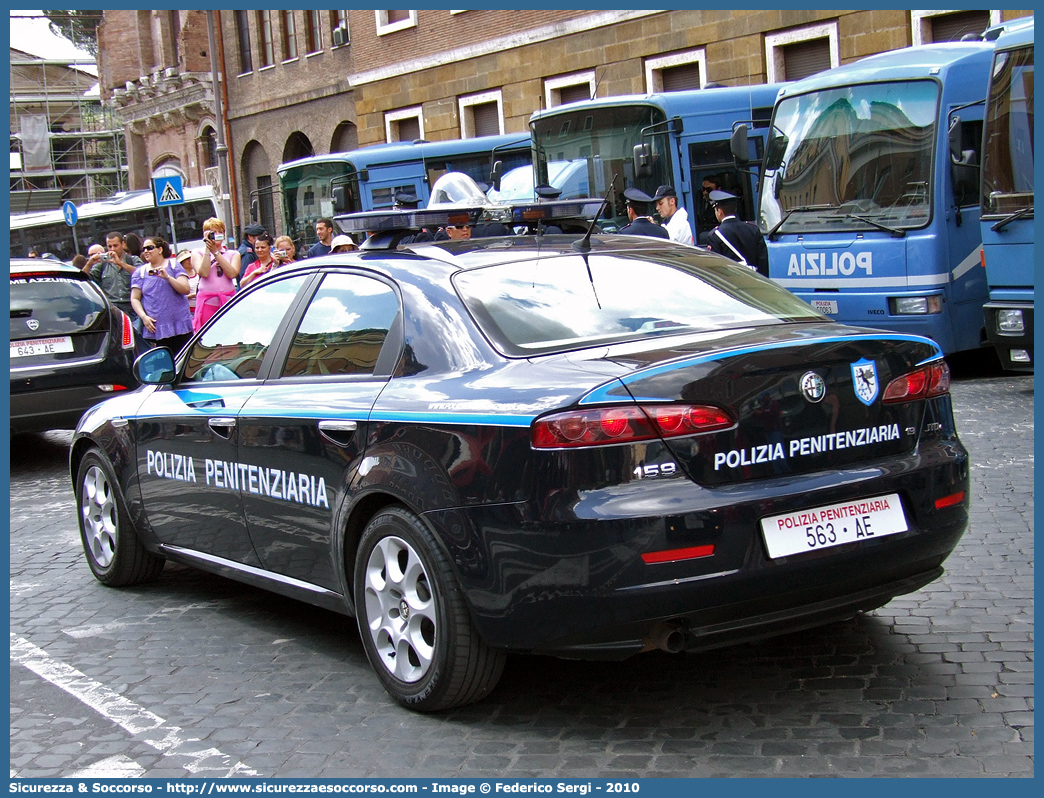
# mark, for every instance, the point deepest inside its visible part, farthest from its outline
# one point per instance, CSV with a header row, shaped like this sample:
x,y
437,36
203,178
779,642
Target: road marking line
x,y
112,767
138,721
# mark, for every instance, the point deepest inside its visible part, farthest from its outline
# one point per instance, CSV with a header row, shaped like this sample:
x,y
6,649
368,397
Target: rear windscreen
x,y
50,304
565,302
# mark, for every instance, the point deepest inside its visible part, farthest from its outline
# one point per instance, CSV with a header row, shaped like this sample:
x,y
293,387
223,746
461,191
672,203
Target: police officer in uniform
x,y
641,224
735,239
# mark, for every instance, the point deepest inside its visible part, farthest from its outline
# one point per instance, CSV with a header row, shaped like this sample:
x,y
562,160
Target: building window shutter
x,y
681,78
802,59
951,27
409,129
486,118
571,94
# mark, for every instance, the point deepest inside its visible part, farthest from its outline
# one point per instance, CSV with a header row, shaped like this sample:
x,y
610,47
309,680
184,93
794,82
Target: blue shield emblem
x,y
864,380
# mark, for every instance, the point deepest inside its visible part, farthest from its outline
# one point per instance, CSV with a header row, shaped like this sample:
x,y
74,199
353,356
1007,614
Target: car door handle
x,y
338,431
222,425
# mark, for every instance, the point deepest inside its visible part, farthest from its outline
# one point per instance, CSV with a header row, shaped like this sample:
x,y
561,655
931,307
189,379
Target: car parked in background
x,y
70,347
583,446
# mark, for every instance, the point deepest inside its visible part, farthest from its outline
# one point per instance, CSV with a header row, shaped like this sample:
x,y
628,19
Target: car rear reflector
x,y
925,382
673,555
128,332
949,501
627,424
110,388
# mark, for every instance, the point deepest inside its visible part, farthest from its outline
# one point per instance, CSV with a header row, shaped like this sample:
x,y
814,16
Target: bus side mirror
x,y
954,137
740,145
255,210
775,149
496,174
642,160
340,205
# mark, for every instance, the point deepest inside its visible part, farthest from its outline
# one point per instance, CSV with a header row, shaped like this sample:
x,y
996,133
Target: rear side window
x,y
234,345
344,328
561,303
44,304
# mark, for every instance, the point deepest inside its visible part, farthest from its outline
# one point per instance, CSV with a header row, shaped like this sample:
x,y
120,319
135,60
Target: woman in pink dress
x,y
217,267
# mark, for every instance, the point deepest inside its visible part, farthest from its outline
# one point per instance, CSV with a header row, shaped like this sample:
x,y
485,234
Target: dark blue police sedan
x,y
581,447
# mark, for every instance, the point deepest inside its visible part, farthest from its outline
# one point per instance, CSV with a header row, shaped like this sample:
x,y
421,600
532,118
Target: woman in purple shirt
x,y
159,295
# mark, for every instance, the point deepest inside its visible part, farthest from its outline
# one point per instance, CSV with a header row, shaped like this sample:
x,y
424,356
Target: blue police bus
x,y
670,138
867,215
1007,198
368,178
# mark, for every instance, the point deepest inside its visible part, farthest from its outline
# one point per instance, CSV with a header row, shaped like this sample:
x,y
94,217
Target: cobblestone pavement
x,y
195,675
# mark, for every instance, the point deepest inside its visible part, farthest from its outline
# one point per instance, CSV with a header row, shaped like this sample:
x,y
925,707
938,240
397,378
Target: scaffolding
x,y
87,153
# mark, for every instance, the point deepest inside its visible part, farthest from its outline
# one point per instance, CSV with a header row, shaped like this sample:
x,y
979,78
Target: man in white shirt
x,y
675,219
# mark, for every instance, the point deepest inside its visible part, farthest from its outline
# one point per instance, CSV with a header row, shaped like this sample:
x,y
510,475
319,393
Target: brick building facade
x,y
312,82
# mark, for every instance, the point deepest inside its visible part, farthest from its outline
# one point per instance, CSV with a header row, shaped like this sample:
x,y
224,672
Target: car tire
x,y
413,620
114,552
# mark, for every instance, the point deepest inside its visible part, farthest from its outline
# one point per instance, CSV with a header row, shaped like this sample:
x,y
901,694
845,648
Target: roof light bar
x,y
406,220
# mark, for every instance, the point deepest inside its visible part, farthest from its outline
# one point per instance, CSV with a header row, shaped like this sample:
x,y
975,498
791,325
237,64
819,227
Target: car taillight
x,y
128,332
923,383
628,424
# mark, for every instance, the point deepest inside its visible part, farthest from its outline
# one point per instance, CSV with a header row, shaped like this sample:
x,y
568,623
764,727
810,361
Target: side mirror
x,y
255,210
155,367
954,137
740,145
496,174
642,159
775,149
340,204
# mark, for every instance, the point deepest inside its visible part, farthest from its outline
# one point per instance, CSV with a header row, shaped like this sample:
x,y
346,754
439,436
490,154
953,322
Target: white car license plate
x,y
41,346
834,525
827,307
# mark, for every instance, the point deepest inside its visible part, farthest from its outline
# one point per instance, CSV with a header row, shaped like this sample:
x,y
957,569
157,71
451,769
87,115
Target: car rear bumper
x,y
54,408
578,587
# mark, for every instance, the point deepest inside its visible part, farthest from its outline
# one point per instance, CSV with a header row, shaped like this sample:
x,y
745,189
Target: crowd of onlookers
x,y
167,295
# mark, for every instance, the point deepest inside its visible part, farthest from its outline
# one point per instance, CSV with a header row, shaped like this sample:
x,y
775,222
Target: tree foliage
x,y
77,26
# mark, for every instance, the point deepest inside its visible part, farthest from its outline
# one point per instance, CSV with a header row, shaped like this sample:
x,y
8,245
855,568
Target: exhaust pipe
x,y
666,636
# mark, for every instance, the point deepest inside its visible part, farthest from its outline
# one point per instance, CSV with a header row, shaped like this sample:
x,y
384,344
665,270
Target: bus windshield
x,y
855,158
604,139
1007,166
307,195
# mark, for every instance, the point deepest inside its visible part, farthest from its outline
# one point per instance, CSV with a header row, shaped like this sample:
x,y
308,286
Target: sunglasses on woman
x,y
148,248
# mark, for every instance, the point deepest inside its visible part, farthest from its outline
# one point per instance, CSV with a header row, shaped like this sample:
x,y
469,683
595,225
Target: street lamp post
x,y
219,118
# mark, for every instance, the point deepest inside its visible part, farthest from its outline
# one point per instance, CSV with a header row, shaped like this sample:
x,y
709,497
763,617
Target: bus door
x,y
387,179
713,160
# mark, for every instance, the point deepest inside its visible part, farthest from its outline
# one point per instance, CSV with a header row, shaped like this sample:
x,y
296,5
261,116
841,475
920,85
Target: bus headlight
x,y
915,305
1009,322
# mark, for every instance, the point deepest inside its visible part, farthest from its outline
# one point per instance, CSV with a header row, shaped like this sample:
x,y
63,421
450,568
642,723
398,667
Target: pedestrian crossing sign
x,y
168,190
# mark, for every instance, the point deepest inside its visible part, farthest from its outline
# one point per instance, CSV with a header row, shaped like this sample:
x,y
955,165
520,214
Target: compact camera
x,y
279,253
152,271
212,236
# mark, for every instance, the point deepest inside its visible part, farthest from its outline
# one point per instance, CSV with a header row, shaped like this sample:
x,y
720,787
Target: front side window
x,y
1007,166
344,328
853,154
560,303
233,347
584,149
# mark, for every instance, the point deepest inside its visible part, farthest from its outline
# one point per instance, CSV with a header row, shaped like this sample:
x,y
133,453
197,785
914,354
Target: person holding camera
x,y
159,296
217,267
285,251
111,269
265,261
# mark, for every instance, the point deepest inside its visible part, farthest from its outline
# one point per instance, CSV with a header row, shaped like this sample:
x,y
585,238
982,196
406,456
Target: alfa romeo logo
x,y
813,387
33,324
404,609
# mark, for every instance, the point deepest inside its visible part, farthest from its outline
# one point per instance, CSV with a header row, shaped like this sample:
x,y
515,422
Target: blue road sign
x,y
168,190
69,212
